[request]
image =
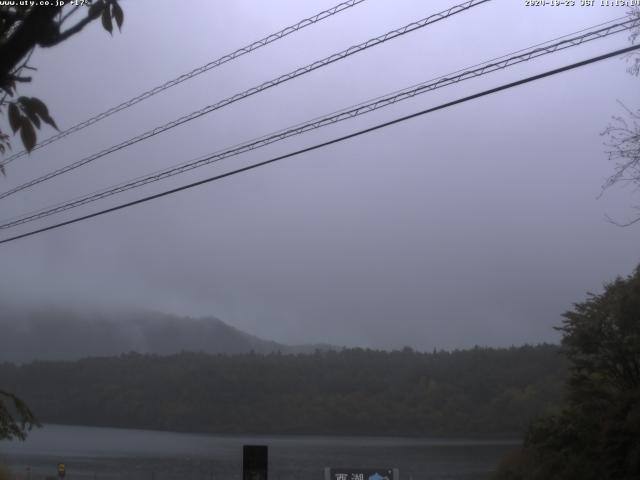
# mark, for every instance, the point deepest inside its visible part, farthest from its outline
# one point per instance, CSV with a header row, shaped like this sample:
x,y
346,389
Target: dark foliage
x,y
16,419
352,391
596,435
25,26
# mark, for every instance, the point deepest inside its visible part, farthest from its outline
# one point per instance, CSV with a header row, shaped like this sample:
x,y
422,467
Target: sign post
x,y
255,462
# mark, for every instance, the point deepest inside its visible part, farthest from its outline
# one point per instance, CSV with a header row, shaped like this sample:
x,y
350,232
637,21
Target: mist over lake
x,y
109,453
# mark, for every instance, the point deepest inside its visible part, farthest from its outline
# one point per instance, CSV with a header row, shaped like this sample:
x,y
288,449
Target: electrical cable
x,y
193,73
319,122
330,142
254,90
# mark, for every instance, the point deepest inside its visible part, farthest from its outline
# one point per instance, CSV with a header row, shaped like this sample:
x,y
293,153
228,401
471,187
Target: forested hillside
x,y
352,391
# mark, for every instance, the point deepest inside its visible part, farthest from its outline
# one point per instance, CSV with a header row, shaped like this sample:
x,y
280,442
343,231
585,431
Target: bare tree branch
x,y
624,146
634,69
622,224
623,136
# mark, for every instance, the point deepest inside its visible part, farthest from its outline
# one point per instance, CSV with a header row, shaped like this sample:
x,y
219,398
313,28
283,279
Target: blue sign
x,y
361,474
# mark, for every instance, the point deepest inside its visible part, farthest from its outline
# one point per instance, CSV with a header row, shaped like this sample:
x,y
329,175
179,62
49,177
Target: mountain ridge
x,y
60,333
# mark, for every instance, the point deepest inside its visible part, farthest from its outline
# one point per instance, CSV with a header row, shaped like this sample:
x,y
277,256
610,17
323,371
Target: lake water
x,y
111,453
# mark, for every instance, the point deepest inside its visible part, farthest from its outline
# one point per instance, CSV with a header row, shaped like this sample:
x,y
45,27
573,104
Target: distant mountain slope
x,y
56,333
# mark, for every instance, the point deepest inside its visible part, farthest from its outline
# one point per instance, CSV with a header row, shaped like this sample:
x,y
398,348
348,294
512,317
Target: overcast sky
x,y
478,224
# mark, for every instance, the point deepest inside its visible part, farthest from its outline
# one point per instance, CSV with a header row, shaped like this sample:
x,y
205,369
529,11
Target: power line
x,y
193,73
254,90
330,142
319,122
335,117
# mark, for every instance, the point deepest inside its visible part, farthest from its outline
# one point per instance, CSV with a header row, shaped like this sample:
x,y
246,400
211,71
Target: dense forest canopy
x,y
596,433
353,391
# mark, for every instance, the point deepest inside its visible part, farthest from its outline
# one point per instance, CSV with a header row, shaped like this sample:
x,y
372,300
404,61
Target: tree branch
x,y
16,419
35,27
622,224
68,33
11,16
68,14
18,78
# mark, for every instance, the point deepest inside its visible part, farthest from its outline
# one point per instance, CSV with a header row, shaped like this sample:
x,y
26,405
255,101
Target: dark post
x,y
254,462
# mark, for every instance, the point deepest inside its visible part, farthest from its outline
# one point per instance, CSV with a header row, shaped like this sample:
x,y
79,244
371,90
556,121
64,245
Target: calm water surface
x,y
110,453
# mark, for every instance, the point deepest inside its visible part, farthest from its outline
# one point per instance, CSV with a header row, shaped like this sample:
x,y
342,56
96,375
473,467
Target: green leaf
x,y
118,14
96,9
15,118
27,107
34,118
28,135
106,20
41,109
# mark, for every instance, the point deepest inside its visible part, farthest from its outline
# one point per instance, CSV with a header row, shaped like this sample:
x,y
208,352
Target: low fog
x,y
475,225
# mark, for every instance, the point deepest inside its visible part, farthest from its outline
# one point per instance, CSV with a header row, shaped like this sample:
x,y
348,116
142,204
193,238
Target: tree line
x,y
352,391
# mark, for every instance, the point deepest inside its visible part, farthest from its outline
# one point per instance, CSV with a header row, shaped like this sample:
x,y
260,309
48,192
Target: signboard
x,y
254,462
61,470
361,473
